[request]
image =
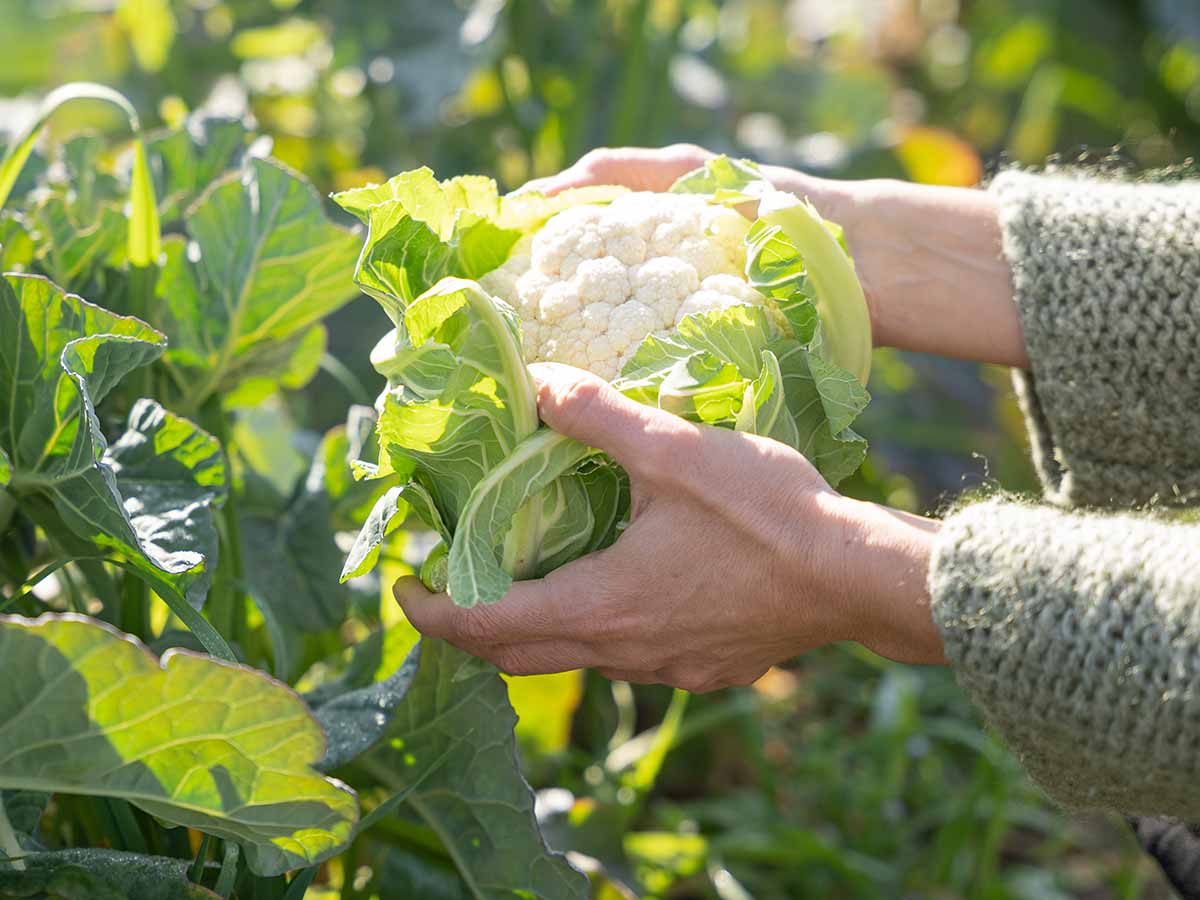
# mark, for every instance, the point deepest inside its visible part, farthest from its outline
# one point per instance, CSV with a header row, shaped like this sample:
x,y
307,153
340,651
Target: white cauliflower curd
x,y
593,282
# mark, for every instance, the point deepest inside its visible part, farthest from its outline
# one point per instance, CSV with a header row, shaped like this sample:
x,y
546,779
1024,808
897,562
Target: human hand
x,y
738,556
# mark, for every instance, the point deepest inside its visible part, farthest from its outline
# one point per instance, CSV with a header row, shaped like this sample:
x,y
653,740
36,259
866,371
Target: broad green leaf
x,y
17,250
185,161
356,717
59,357
420,230
289,364
143,233
73,242
193,741
293,576
171,476
405,874
5,469
449,750
261,265
835,454
92,874
24,809
296,560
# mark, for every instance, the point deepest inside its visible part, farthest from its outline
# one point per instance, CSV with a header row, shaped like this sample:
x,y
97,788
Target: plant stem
x,y
8,508
8,840
227,603
196,872
229,869
134,617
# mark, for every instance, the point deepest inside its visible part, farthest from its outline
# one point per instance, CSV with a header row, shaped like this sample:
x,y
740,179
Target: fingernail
x,y
408,589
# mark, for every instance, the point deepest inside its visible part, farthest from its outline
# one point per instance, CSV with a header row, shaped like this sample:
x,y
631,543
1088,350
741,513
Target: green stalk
x,y
229,870
196,870
8,509
227,602
9,844
134,615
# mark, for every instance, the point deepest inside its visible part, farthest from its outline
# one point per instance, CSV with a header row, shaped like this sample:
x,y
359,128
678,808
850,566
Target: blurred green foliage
x,y
841,775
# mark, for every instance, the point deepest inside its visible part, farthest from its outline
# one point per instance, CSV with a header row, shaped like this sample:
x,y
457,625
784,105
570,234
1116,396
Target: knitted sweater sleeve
x,y
1078,633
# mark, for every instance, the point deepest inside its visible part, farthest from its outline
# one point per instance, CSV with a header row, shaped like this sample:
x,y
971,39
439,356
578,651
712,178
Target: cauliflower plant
x,y
596,280
676,298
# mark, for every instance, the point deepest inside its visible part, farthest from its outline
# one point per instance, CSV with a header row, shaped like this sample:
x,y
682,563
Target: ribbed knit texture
x,y
1079,636
1107,281
1078,632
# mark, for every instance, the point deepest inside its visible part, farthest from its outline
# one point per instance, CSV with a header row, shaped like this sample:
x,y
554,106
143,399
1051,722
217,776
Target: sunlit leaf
x,y
146,500
263,265
193,741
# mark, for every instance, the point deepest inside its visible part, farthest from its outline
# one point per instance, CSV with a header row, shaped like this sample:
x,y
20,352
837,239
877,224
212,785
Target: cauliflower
x,y
761,327
594,281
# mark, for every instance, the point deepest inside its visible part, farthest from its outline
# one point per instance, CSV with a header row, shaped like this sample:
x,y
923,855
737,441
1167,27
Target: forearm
x,y
931,264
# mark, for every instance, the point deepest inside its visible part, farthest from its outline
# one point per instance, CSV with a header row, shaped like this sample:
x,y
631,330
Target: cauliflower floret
x,y
596,280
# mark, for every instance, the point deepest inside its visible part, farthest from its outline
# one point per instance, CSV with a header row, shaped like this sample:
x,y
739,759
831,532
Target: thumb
x,y
584,406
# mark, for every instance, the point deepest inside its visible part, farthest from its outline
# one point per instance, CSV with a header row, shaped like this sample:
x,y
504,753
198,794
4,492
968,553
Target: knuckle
x,y
577,400
473,625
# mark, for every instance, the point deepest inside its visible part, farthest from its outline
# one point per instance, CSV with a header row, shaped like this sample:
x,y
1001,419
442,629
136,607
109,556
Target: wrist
x,y
883,557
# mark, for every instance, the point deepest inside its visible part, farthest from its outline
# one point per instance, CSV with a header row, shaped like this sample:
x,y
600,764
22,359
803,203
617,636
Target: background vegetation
x,y
839,775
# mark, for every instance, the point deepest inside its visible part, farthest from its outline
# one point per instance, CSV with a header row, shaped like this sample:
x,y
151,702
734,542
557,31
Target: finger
x,y
527,614
587,408
540,657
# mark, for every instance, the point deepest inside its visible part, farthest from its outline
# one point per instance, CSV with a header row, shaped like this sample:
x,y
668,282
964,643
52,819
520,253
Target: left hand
x,y
738,556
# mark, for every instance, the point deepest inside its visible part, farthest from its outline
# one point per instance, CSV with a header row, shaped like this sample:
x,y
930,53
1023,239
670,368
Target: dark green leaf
x,y
59,357
355,720
89,874
450,747
193,741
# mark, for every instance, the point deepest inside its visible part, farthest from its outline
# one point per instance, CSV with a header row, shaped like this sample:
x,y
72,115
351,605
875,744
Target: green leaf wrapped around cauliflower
x,y
676,298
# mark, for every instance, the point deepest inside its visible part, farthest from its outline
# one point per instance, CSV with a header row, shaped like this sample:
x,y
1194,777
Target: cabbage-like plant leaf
x,y
420,230
194,741
518,502
17,250
185,161
795,255
101,875
261,264
445,747
294,575
147,500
